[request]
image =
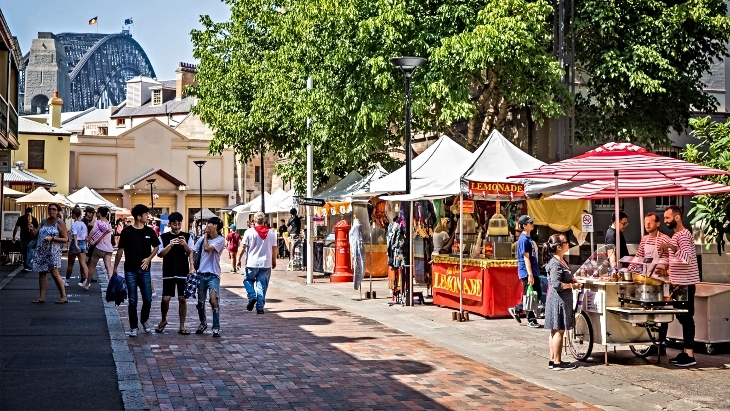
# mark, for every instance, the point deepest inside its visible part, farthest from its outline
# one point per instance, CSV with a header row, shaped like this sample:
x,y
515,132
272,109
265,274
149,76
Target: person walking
x,y
527,269
233,241
140,243
77,247
177,264
51,234
559,314
260,247
26,223
100,237
684,274
211,244
295,255
88,219
281,243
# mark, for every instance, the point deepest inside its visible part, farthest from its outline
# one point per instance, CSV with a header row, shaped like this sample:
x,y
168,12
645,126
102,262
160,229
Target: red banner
x,y
481,188
446,281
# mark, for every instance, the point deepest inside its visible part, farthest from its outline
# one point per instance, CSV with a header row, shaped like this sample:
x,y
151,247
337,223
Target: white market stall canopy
x,y
9,192
427,169
207,214
85,197
336,191
39,196
248,206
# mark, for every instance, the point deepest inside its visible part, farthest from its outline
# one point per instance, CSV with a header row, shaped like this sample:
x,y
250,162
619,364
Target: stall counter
x,y
490,287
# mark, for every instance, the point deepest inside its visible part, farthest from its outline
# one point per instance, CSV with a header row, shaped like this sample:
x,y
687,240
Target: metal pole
x,y
408,271
372,226
263,184
461,255
152,199
200,192
310,182
616,222
641,215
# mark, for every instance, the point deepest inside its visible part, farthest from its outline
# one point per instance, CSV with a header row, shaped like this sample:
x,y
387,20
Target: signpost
x,y
587,222
305,201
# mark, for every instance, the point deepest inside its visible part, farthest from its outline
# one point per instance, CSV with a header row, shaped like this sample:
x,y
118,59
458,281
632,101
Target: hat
x,y
89,209
525,219
232,226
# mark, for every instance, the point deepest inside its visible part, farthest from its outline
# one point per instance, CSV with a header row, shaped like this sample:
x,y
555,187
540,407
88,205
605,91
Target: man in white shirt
x,y
211,244
259,244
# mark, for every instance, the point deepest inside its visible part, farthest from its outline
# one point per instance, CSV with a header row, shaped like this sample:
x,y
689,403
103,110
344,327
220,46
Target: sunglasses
x,y
52,209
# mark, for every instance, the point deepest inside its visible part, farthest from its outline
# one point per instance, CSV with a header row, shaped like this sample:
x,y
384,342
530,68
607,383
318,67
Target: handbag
x,y
191,285
98,232
529,300
196,256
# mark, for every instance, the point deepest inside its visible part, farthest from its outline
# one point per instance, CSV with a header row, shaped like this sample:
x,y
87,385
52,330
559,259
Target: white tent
x,y
9,192
108,203
340,187
207,214
285,204
85,197
247,206
429,168
39,196
63,200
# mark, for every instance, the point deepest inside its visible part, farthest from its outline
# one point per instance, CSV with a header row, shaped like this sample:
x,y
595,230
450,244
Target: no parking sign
x,y
587,223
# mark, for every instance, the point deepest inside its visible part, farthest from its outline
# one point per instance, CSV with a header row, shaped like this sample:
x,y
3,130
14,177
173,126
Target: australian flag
x,y
128,21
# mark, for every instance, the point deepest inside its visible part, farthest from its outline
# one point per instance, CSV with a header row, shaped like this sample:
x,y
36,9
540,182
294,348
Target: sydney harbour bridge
x,y
88,69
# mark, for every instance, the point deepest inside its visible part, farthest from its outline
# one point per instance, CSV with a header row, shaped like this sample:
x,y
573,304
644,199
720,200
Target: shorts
x,y
169,285
73,250
100,253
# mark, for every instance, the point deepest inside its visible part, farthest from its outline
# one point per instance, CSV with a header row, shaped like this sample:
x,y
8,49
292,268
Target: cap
x,y
232,226
89,209
525,219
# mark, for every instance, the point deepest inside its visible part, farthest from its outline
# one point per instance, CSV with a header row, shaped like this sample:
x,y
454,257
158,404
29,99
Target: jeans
x,y
28,253
537,288
686,320
256,283
210,282
142,280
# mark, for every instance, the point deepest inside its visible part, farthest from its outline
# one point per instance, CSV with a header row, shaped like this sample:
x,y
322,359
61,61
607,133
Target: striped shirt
x,y
683,269
656,241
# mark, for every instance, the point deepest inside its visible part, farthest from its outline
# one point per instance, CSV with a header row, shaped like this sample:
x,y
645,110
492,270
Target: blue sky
x,y
161,27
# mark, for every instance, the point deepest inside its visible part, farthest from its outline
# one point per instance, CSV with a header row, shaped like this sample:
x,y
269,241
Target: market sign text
x,y
478,187
446,280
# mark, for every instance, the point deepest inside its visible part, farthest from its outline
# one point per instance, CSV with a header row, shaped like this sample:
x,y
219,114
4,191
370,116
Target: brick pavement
x,y
305,355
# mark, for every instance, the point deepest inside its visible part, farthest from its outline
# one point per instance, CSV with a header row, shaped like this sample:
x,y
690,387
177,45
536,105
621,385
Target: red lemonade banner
x,y
446,281
482,188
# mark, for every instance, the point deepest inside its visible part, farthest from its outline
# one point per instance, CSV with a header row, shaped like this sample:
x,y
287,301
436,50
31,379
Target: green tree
x,y
642,63
711,211
485,59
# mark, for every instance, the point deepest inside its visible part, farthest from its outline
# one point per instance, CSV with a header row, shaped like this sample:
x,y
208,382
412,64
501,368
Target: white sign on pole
x,y
587,222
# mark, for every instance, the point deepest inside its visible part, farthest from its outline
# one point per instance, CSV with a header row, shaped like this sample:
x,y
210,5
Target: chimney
x,y
55,105
185,77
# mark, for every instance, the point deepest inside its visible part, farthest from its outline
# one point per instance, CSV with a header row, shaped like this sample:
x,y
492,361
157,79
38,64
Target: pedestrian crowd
x,y
189,262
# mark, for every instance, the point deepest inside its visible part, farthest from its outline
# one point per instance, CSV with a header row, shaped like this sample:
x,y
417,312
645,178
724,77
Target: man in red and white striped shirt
x,y
651,243
683,271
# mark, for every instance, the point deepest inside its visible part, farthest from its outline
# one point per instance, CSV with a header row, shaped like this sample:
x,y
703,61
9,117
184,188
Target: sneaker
x,y
65,283
533,324
514,314
678,358
146,328
216,333
251,304
550,365
202,327
685,361
259,311
133,333
563,366
154,295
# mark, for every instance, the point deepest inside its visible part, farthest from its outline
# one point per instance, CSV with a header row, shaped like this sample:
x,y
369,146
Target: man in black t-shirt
x,y
177,264
282,244
140,244
24,223
611,236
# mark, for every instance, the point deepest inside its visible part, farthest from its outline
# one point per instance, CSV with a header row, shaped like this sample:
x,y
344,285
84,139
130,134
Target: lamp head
x,y
200,163
407,64
151,180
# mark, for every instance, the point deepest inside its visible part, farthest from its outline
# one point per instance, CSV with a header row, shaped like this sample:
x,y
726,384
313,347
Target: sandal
x,y
38,301
160,328
62,301
184,332
202,327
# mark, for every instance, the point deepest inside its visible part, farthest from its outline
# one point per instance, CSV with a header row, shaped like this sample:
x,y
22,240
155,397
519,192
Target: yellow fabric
x,y
474,262
334,208
560,215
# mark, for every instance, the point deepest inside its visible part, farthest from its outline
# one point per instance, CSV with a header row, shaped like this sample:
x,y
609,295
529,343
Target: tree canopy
x,y
641,61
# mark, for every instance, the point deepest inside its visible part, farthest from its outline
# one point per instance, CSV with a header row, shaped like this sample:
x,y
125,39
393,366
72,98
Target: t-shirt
x,y
234,240
137,245
295,225
611,239
259,251
282,230
78,228
210,262
175,263
22,222
439,240
524,245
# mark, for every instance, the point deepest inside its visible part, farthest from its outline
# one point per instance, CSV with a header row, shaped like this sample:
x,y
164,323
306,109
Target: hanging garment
x,y
357,251
395,240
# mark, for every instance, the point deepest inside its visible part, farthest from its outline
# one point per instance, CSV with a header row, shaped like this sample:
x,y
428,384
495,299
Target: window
x,y
156,97
120,122
257,174
663,202
36,153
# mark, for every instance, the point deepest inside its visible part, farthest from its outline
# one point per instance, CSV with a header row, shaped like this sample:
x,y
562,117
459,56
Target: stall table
x,y
490,287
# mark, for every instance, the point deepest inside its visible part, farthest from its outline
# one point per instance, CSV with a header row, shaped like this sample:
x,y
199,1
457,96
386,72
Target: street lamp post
x,y
200,164
151,181
249,191
407,66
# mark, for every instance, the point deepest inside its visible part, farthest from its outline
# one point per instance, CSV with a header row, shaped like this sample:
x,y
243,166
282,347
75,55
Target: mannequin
x,y
357,251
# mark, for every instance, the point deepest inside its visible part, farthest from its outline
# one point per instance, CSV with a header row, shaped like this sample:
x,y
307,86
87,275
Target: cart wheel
x,y
642,351
580,337
710,348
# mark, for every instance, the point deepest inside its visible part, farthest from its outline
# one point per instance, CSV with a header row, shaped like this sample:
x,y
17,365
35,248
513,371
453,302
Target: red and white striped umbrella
x,y
624,160
636,188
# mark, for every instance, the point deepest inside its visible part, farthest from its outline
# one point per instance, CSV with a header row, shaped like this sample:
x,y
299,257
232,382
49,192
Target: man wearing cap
x,y
233,240
527,269
211,244
260,247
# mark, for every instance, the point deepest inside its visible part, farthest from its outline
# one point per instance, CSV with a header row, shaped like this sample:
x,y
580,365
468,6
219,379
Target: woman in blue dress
x,y
52,234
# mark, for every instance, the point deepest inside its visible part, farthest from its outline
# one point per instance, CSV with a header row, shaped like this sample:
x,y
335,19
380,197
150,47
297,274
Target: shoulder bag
x,y
196,256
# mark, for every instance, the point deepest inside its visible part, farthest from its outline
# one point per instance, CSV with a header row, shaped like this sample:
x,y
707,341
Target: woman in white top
x,y
441,240
77,246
